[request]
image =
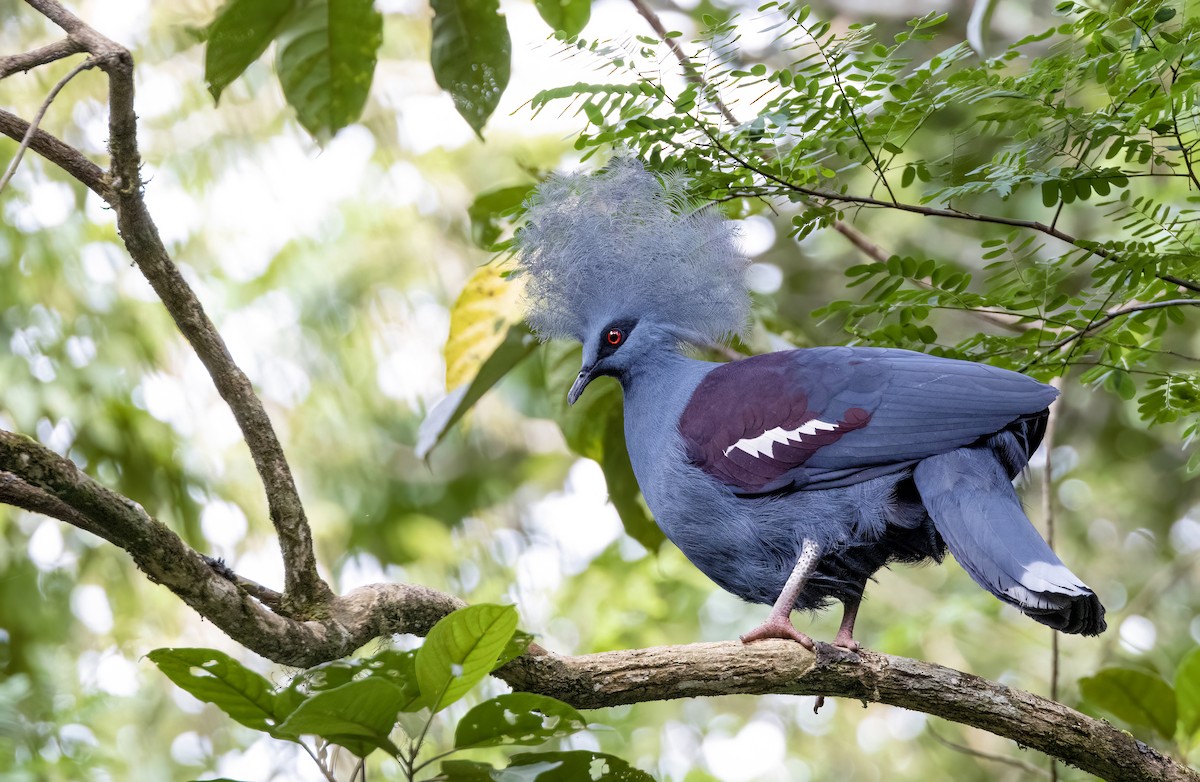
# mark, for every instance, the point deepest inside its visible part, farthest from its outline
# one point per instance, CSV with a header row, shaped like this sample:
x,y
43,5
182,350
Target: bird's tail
x,y
972,502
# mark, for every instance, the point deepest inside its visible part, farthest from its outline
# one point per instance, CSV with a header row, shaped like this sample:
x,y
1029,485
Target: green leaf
x,y
471,56
1134,696
392,665
568,17
1049,193
488,208
572,767
238,36
1187,693
358,716
460,650
326,61
516,718
515,647
215,677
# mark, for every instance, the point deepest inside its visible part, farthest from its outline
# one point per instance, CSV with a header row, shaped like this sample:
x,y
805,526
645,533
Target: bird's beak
x,y
581,382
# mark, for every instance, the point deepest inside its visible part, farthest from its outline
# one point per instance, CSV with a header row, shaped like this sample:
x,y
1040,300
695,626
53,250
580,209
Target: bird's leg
x,y
779,621
845,633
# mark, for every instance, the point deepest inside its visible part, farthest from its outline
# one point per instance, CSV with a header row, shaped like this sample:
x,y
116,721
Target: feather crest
x,y
623,242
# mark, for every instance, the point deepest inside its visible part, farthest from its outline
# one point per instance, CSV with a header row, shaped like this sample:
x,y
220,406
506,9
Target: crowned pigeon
x,y
788,478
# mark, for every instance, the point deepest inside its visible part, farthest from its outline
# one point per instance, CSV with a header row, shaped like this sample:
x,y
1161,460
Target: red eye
x,y
614,337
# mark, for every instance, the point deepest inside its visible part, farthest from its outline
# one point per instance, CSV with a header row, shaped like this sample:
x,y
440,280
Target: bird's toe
x,y
845,641
778,629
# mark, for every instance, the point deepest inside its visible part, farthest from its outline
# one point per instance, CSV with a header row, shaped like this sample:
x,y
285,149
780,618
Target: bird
x,y
788,478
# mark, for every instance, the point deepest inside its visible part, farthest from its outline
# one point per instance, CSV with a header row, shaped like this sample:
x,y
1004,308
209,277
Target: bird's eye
x,y
614,337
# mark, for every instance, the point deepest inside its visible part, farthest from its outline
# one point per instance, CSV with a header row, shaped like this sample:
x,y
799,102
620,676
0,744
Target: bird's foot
x,y
778,627
846,641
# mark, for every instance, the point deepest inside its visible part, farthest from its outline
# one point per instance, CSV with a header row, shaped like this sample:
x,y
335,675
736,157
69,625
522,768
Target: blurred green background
x,y
330,271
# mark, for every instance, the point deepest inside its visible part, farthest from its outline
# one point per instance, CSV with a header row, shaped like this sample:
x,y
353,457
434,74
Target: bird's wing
x,y
825,417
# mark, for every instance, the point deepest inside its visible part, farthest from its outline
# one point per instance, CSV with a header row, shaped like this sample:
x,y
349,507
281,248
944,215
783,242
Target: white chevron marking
x,y
765,442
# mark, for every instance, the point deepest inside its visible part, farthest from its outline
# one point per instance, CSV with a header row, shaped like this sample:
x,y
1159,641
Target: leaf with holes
x,y
215,677
359,716
471,56
571,767
394,666
516,718
460,650
1133,696
326,60
238,36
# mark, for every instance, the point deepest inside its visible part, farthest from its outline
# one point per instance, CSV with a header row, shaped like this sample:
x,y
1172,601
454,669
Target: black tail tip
x,y
1082,615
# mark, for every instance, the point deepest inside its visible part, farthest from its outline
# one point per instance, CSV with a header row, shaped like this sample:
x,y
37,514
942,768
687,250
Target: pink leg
x,y
779,622
845,634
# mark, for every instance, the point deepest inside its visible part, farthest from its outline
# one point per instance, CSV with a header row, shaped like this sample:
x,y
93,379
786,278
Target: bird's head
x,y
617,347
627,263
608,352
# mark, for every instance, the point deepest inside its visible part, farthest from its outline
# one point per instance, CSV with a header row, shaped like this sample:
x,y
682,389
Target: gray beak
x,y
581,382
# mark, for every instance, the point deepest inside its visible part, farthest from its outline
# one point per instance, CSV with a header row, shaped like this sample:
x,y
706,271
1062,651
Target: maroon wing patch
x,y
750,423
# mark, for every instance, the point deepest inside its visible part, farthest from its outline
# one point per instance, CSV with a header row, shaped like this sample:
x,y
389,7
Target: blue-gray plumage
x,y
788,478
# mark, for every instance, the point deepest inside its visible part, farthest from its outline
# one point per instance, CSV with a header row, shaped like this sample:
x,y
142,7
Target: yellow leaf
x,y
490,303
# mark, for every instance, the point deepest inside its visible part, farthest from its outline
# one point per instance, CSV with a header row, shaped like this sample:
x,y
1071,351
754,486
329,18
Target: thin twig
x,y
1099,323
689,70
1029,768
1048,515
37,118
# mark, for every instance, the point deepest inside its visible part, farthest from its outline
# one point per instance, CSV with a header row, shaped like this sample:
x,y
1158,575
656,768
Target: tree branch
x,y
827,196
1100,323
303,585
59,153
730,667
16,63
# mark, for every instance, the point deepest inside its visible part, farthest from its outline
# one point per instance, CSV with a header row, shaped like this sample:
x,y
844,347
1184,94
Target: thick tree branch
x,y
47,482
37,479
303,585
726,668
16,492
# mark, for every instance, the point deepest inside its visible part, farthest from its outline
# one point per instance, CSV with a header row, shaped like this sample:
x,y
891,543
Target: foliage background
x,y
330,272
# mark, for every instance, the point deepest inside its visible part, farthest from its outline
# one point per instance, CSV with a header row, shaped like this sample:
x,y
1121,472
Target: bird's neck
x,y
657,389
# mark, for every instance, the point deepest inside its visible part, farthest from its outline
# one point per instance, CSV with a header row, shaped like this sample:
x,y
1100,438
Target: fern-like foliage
x,y
1077,149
